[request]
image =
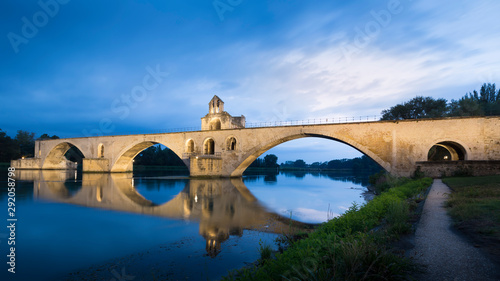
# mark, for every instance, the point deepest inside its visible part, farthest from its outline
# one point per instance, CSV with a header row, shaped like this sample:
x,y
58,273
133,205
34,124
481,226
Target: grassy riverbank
x,y
474,205
349,247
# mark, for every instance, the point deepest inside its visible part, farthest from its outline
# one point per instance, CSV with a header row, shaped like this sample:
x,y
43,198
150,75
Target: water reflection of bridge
x,y
223,207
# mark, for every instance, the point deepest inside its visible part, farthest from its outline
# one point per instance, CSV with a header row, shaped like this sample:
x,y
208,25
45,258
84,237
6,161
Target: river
x,y
159,225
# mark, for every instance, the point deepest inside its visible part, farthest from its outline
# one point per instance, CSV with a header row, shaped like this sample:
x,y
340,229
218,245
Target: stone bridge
x,y
225,148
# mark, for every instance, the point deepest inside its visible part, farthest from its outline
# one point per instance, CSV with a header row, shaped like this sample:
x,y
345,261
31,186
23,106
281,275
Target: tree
x,y
47,137
488,93
418,107
300,164
9,149
26,142
315,165
468,105
484,103
257,163
271,161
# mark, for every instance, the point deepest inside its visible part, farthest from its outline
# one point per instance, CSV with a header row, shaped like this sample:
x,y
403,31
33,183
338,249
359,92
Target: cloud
x,y
268,61
313,80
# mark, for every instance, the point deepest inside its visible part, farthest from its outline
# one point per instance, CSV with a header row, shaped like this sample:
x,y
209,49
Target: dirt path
x,y
445,253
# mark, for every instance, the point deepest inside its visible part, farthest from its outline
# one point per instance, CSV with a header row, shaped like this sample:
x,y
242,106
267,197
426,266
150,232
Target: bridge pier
x,y
207,166
96,165
36,164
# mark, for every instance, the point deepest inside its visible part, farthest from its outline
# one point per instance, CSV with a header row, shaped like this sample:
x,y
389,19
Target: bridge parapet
x,y
396,145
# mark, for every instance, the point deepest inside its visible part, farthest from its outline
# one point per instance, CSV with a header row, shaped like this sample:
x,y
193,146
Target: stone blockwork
x,y
35,164
96,165
205,166
227,151
27,163
440,169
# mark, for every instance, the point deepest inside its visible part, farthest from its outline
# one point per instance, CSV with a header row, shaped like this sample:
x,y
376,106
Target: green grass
x,y
347,247
265,251
398,213
474,205
460,182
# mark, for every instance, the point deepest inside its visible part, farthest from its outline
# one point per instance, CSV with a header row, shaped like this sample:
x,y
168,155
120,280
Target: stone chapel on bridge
x,y
218,119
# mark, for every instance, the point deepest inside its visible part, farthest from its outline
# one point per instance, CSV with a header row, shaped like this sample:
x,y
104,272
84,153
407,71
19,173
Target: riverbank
x,y
474,206
352,246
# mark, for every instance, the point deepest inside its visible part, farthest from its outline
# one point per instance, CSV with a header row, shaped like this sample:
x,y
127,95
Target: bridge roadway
x,y
396,145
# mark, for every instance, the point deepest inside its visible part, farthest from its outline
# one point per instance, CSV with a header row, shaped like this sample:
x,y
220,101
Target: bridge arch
x,y
124,161
56,159
447,150
255,152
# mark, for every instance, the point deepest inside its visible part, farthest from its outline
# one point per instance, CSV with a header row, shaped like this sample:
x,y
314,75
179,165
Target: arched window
x,y
231,144
446,151
190,146
100,151
215,124
209,147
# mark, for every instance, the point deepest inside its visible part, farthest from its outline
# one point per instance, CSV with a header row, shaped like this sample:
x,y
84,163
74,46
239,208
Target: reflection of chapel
x,y
218,119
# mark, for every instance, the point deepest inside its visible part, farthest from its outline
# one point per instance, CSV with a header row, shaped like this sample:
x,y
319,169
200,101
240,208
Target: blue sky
x,y
72,68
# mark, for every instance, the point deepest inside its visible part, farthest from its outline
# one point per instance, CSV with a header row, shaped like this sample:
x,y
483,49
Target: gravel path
x,y
446,254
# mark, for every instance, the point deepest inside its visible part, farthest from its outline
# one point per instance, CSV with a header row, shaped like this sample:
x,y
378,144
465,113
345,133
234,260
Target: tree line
x,y
158,156
356,164
486,102
363,163
22,145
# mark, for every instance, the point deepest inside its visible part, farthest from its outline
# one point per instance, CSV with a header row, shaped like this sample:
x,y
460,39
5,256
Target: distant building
x,y
218,119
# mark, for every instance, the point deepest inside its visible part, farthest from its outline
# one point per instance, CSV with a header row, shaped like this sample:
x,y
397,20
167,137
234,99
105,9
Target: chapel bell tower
x,y
218,119
216,105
